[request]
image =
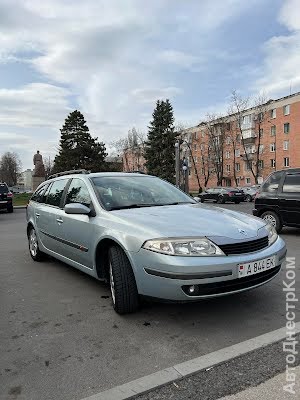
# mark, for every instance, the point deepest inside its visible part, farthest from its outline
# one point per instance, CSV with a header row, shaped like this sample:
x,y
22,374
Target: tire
x,y
10,209
201,199
221,200
237,201
123,287
272,218
248,198
35,252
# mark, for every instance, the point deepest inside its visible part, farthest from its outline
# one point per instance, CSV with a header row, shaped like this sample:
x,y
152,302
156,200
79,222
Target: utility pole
x,y
177,163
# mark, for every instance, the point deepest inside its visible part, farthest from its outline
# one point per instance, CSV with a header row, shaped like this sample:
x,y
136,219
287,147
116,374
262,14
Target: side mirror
x,y
77,208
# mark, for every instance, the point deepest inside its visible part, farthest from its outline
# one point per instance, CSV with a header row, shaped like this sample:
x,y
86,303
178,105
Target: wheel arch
x,y
101,256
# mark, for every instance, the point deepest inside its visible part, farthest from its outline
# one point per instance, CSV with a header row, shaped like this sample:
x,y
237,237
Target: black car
x,y
250,192
278,200
6,198
222,195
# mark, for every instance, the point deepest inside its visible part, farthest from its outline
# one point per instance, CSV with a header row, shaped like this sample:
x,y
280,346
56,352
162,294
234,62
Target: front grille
x,y
232,285
245,247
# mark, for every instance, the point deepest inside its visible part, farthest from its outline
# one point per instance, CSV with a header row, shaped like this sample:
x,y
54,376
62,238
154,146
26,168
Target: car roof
x,y
97,175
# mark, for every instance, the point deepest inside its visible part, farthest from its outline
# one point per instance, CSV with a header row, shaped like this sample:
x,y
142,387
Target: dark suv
x,y
222,194
278,200
6,198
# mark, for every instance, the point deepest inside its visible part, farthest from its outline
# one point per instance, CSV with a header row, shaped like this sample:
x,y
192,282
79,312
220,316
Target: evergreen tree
x,y
160,146
78,149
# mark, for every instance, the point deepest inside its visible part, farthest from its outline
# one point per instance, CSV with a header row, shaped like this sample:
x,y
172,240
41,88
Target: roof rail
x,y
71,172
136,172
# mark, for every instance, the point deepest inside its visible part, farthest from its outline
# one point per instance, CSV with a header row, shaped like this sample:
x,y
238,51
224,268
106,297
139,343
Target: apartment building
x,y
250,146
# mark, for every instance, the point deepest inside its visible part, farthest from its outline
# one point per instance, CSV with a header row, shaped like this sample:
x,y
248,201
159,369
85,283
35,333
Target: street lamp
x,y
177,162
185,169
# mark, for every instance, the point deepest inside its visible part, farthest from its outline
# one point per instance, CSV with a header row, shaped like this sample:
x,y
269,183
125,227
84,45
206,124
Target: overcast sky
x,y
113,59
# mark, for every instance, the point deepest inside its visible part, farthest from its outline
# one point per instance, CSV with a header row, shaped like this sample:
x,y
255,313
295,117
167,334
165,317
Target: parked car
x,y
6,198
222,195
147,238
249,192
278,200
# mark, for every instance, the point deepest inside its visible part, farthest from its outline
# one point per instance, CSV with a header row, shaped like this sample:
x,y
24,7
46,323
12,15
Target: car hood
x,y
192,220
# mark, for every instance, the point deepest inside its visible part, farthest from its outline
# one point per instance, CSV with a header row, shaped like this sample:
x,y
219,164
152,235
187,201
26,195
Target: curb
x,y
19,207
147,383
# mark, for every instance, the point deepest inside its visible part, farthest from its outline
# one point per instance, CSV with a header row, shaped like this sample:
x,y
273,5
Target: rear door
x,y
75,231
46,212
289,199
3,193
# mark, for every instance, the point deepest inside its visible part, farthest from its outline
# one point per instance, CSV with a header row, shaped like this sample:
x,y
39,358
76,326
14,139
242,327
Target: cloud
x,y
179,58
280,71
153,94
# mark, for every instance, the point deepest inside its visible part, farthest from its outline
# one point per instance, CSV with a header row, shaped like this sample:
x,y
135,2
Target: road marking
x,y
157,379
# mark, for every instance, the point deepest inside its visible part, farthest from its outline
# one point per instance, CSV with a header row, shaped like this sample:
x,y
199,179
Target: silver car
x,y
147,238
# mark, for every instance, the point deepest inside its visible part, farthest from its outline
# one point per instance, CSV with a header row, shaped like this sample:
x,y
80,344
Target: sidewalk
x,y
272,389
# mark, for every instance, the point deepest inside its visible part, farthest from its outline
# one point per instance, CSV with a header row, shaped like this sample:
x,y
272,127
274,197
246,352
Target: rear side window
x,y
38,194
56,191
291,184
272,183
3,188
78,193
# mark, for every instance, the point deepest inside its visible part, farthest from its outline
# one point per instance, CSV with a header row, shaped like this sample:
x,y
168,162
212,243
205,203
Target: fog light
x,y
191,289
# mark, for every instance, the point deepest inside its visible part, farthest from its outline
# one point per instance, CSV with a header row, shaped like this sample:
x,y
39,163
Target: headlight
x,y
184,247
272,233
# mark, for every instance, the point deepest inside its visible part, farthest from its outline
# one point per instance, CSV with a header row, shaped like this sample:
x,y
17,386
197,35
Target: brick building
x,y
253,144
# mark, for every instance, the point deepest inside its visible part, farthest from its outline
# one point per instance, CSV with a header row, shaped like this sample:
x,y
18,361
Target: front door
x,y
75,231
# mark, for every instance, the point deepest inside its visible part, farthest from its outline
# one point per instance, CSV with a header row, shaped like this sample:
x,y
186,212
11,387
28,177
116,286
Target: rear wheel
x,y
123,288
248,198
273,219
221,200
202,199
35,252
10,209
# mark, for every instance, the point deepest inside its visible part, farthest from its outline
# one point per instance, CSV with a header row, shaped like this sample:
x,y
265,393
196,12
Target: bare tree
x,y
131,147
216,127
10,168
48,164
257,115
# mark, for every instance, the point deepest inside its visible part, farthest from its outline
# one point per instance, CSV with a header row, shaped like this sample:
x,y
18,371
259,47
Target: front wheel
x,y
33,244
123,287
221,200
273,219
202,199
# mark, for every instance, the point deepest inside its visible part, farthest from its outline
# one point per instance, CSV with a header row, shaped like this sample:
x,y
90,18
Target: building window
x,y
237,152
202,146
261,132
260,164
248,165
237,167
286,109
285,145
237,181
273,163
261,148
195,147
286,162
238,138
195,171
228,126
273,130
203,134
272,147
195,135
273,113
286,127
248,181
227,154
228,167
228,140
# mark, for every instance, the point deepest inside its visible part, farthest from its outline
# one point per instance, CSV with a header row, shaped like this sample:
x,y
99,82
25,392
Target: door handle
x,y
59,220
37,214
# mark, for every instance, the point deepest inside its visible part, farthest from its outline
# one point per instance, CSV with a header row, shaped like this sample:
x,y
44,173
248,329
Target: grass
x,y
21,199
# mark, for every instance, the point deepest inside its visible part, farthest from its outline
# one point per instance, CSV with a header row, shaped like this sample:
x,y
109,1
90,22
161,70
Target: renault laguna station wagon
x,y
145,237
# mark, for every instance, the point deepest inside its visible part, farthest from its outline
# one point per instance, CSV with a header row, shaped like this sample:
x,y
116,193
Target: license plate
x,y
256,267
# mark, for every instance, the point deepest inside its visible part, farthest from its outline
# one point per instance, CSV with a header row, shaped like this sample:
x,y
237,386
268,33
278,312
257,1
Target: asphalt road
x,y
61,339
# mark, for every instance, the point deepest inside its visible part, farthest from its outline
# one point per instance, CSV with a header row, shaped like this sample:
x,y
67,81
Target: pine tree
x,y
160,147
78,149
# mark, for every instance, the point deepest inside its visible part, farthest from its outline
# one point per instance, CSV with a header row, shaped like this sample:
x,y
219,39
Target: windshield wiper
x,y
140,205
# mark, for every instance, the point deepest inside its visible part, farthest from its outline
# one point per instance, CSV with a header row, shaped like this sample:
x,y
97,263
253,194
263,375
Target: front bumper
x,y
167,277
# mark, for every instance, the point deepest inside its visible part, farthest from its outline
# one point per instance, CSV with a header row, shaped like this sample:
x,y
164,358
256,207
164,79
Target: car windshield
x,y
118,192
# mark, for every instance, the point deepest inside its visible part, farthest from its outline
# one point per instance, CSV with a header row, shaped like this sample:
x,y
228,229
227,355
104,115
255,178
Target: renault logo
x,y
242,232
